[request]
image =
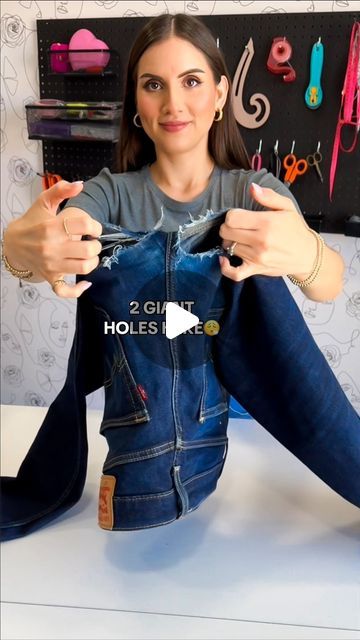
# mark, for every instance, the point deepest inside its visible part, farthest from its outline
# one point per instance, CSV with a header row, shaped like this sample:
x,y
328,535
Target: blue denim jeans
x,y
283,380
166,401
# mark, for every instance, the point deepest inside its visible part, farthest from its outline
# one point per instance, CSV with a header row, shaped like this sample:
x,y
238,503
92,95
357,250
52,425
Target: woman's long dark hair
x,y
135,148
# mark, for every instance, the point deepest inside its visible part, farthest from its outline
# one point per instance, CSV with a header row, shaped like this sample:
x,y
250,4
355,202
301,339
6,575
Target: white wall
x,y
37,327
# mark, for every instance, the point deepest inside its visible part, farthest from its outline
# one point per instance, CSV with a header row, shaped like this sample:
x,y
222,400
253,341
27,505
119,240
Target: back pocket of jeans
x,y
214,398
125,397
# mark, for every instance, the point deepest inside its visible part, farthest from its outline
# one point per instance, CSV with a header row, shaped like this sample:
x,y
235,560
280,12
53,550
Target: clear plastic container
x,y
88,62
56,119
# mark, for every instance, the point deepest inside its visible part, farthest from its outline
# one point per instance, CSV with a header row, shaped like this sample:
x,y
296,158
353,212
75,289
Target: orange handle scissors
x,y
293,167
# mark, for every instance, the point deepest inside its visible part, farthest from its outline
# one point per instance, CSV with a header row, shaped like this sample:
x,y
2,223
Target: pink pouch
x,y
98,56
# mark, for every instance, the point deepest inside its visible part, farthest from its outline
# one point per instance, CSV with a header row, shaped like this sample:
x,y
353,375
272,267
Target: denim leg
x,y
269,362
51,477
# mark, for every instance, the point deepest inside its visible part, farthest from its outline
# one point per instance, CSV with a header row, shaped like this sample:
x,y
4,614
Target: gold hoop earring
x,y
219,115
139,126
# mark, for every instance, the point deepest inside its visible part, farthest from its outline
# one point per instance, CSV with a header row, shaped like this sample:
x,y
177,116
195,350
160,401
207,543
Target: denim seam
x,y
155,449
203,444
181,491
204,392
217,410
147,526
123,367
46,511
136,458
154,452
128,419
139,498
108,382
172,296
53,506
204,473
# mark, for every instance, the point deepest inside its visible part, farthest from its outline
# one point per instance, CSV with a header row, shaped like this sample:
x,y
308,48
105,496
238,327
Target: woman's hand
x,y
275,242
41,242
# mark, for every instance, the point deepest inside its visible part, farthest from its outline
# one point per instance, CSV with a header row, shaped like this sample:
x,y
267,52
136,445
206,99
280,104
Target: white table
x,y
273,553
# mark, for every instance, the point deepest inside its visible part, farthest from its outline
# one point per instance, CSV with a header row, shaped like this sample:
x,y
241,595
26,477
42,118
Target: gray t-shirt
x,y
133,200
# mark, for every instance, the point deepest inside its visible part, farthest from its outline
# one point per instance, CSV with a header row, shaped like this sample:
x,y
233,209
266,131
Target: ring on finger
x,y
230,250
60,281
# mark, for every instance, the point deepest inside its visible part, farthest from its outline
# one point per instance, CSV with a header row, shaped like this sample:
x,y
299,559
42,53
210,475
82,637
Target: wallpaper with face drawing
x,y
37,327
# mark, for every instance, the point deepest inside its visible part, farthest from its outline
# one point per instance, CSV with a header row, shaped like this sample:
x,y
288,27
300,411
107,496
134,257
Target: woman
x,y
181,152
165,425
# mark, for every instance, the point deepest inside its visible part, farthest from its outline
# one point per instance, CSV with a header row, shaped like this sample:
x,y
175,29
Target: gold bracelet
x,y
319,258
24,274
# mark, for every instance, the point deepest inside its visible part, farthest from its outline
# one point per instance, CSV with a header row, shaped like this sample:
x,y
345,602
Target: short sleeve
x,y
265,179
99,198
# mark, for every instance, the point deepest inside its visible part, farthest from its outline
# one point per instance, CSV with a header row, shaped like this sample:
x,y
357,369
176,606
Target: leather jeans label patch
x,y
106,512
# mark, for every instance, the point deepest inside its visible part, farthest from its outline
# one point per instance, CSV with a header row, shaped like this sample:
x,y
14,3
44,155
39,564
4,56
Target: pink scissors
x,y
293,167
256,161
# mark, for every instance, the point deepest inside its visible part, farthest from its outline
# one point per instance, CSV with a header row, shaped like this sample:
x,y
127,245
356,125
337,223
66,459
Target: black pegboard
x,y
289,118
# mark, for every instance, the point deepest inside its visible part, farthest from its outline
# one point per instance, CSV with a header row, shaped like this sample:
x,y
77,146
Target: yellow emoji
x,y
211,327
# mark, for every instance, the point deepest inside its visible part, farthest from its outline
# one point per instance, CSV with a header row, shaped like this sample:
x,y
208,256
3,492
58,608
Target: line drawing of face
x,y
9,341
55,323
349,387
58,330
318,313
353,305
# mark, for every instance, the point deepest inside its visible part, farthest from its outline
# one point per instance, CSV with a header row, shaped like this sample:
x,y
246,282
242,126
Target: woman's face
x,y
177,96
